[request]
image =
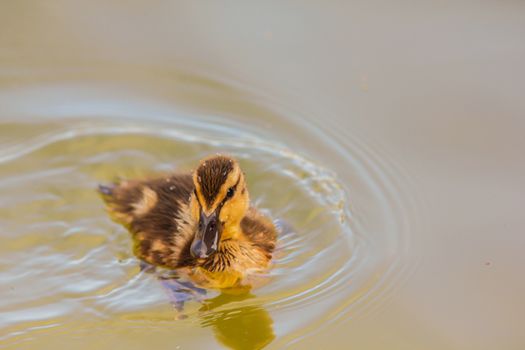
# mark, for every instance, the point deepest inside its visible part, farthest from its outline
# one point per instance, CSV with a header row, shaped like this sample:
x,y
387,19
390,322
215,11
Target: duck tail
x,y
117,210
106,190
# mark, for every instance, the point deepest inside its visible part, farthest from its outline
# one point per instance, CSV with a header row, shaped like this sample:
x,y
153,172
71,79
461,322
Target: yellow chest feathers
x,y
231,266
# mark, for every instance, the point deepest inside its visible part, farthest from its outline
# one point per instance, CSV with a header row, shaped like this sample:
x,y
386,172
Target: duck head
x,y
219,202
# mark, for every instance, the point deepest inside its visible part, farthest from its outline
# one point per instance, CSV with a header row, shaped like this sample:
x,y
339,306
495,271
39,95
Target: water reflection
x,y
246,327
249,327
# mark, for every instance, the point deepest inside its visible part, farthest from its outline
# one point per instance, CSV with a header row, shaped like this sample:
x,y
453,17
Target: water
x,y
400,188
65,260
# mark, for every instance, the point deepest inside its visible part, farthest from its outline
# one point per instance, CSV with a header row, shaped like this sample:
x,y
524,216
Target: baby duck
x,y
201,224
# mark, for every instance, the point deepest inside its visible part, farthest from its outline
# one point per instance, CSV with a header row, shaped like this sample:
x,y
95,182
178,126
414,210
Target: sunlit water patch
x,y
67,269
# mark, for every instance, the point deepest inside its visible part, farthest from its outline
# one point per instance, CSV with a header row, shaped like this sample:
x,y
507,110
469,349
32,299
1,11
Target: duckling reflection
x,y
247,327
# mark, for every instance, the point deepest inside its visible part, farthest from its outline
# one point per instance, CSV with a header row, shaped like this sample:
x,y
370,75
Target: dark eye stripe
x,y
233,189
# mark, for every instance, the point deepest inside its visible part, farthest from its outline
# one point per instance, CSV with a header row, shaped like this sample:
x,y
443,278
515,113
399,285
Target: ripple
x,y
346,231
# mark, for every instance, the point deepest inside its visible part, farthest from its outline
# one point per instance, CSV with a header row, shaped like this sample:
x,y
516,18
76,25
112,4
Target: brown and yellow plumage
x,y
201,224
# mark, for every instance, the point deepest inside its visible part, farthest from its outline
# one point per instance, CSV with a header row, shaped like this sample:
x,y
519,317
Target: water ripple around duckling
x,y
69,269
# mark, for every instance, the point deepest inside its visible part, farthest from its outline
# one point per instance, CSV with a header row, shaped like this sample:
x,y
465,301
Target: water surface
x,y
390,139
69,269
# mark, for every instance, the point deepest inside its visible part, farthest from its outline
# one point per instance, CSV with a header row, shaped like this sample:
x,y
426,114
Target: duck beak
x,y
206,240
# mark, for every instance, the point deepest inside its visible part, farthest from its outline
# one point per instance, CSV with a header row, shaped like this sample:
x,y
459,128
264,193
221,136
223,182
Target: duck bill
x,y
206,240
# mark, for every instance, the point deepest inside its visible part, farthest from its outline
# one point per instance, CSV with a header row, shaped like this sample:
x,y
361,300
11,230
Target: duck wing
x,y
260,231
156,212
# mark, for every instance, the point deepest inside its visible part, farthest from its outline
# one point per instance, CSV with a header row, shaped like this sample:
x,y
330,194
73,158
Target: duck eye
x,y
230,193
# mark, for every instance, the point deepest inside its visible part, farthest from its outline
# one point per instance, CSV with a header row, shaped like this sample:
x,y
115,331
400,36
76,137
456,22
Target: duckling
x,y
201,224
